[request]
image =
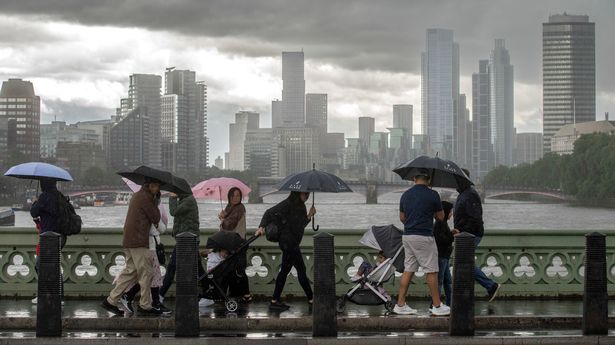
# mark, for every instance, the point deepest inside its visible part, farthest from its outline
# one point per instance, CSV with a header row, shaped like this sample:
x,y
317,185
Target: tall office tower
x,y
463,135
244,121
183,122
144,93
502,99
130,140
299,148
402,116
293,90
568,73
316,112
440,90
20,108
529,148
367,127
202,155
482,150
277,112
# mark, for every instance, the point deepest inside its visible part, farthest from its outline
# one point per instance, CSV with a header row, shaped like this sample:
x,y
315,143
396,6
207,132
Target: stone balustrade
x,y
530,263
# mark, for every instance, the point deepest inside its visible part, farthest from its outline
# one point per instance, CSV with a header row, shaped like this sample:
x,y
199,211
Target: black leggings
x,y
290,258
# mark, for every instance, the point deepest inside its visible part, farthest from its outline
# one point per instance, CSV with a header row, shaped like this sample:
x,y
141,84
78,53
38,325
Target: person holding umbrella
x,y
418,207
292,213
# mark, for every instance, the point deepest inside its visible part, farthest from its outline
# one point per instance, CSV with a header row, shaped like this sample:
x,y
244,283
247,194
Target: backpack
x,y
272,230
69,222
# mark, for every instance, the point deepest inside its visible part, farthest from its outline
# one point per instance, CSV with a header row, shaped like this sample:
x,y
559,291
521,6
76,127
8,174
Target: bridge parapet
x,y
529,262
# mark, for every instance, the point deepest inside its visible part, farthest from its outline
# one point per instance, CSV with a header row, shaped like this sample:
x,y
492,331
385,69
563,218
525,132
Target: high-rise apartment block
x,y
20,109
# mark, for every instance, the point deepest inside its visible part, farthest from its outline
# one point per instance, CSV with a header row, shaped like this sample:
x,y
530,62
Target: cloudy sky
x,y
364,54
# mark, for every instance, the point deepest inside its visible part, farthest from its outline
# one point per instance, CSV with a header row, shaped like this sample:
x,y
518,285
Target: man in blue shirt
x,y
417,208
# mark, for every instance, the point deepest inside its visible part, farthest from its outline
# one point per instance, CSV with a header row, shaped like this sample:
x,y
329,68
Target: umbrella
x,y
228,240
37,171
167,181
135,188
218,188
388,239
444,173
312,181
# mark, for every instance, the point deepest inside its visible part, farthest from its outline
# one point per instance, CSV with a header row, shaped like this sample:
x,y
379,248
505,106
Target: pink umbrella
x,y
135,188
217,188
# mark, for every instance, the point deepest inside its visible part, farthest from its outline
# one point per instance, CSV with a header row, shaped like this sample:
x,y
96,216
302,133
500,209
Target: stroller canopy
x,y
228,240
388,239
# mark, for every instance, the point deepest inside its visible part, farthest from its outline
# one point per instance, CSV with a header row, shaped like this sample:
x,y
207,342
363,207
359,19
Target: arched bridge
x,y
370,189
511,192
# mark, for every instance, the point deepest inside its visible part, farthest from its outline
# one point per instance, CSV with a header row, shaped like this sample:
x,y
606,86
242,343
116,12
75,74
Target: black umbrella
x,y
312,181
228,240
167,181
444,173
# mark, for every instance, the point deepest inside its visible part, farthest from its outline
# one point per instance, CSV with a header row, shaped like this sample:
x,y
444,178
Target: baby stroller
x,y
368,289
218,279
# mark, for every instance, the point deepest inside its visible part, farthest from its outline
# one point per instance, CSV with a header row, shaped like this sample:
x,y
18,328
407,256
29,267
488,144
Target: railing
x,y
528,262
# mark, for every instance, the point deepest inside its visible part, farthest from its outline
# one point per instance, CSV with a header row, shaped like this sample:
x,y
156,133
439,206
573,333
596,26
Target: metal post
x,y
461,322
187,294
49,306
324,320
595,297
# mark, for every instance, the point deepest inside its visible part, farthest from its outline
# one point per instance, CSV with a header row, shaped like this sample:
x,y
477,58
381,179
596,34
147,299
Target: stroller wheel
x,y
340,305
231,305
389,305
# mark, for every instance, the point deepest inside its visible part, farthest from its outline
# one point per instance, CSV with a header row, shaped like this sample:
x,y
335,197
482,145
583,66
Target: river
x,y
349,211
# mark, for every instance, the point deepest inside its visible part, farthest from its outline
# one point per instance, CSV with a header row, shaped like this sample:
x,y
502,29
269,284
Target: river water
x,y
349,211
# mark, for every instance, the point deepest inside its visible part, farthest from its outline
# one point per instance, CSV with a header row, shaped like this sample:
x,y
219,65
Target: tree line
x,y
587,174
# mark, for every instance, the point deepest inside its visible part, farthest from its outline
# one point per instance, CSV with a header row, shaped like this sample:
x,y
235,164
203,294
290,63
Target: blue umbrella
x,y
314,181
37,171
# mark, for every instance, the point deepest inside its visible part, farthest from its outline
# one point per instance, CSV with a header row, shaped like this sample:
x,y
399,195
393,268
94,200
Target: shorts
x,y
420,251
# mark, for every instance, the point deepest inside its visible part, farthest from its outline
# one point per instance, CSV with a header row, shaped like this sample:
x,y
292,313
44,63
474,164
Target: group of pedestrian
x,y
429,246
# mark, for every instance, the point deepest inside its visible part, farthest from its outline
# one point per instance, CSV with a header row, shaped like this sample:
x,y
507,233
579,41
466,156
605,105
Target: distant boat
x,y
7,217
122,198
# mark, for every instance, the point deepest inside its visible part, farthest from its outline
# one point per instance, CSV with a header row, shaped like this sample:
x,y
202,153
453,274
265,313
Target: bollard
x,y
49,306
324,320
187,294
595,297
461,322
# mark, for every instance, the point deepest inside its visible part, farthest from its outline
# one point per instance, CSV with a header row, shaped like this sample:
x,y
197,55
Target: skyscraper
x,y
501,94
482,151
367,127
20,107
144,93
202,155
130,137
293,90
244,121
440,90
316,112
402,116
569,73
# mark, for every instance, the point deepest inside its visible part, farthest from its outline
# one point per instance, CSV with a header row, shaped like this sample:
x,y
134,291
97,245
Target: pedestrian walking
x,y
233,218
468,217
185,212
291,218
418,207
444,241
143,213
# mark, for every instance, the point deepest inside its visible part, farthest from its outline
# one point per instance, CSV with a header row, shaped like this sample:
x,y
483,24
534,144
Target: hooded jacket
x,y
291,215
142,213
468,213
185,212
46,207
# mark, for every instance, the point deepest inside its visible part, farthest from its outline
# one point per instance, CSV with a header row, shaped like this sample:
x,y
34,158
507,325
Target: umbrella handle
x,y
317,226
314,216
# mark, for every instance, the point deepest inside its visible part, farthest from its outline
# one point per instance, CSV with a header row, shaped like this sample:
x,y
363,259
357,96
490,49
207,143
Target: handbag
x,y
160,252
272,230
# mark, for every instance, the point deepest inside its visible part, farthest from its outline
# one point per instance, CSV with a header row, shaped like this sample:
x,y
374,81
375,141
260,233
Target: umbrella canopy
x,y
314,181
167,181
37,171
388,239
218,188
229,240
444,173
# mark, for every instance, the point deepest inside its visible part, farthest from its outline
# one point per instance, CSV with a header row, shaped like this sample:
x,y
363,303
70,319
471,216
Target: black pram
x,y
388,239
220,277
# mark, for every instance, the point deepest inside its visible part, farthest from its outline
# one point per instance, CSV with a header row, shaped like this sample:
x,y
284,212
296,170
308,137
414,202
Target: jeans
x,y
290,258
170,275
479,275
444,279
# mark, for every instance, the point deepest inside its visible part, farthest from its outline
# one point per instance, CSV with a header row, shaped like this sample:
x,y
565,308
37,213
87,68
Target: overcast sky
x,y
364,54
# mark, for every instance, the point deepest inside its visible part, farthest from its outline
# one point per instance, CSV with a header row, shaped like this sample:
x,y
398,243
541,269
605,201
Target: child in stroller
x,y
366,268
369,289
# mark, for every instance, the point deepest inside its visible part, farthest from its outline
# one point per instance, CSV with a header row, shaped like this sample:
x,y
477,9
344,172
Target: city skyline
x,y
244,72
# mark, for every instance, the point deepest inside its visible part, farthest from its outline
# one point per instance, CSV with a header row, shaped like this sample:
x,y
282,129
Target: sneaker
x,y
163,309
494,292
404,310
111,308
278,306
127,304
149,312
205,302
161,297
35,300
442,310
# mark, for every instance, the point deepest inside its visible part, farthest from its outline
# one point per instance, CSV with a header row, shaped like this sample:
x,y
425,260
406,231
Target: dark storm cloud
x,y
380,35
